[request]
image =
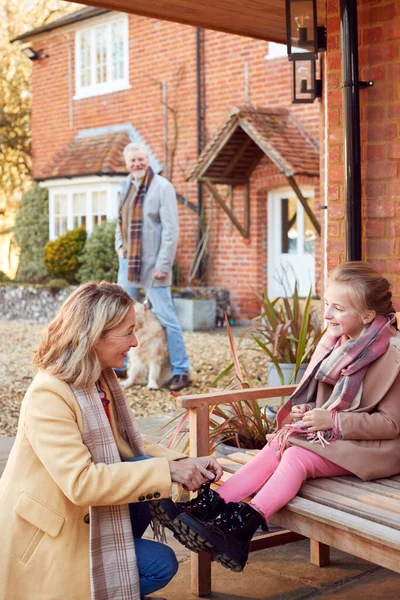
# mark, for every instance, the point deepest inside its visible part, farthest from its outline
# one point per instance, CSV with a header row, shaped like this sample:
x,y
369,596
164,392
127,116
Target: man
x,y
146,239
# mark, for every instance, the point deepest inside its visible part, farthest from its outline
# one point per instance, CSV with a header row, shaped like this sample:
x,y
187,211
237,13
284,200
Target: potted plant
x,y
288,331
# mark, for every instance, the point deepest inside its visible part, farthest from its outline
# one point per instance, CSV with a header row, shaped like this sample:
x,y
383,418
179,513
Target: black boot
x,y
206,506
227,537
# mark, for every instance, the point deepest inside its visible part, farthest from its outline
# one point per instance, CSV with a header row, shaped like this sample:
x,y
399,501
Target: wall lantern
x,y
34,54
304,40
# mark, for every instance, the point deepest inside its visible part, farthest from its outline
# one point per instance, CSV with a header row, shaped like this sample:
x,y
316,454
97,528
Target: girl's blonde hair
x,y
369,289
67,348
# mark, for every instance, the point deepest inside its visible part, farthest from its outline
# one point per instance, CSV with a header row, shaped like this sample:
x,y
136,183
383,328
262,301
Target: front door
x,y
291,244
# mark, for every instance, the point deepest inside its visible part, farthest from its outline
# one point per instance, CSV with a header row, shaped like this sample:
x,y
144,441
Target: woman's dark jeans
x,y
156,562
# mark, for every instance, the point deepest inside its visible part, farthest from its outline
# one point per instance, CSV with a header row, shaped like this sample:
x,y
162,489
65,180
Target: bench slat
x,y
350,506
371,486
364,528
347,491
229,465
392,483
240,457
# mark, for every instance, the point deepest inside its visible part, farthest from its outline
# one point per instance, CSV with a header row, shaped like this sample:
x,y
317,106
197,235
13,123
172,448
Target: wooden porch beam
x,y
228,170
304,203
243,230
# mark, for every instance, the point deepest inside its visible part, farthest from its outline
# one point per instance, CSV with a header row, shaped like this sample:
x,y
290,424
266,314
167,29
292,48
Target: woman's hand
x,y
318,419
192,473
298,411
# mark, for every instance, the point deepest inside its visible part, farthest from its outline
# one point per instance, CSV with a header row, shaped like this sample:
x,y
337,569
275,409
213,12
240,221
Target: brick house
x,y
104,78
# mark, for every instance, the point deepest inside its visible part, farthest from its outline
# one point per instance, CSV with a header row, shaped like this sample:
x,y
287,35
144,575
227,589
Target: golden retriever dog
x,y
149,361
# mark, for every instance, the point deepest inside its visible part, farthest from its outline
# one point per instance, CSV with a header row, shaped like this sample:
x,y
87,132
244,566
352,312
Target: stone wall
x,y
39,303
31,302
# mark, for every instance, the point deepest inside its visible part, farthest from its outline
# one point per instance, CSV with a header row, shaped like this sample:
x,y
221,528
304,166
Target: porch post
x,y
351,127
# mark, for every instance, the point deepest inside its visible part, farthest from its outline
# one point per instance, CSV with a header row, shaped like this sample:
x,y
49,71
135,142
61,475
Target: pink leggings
x,y
276,480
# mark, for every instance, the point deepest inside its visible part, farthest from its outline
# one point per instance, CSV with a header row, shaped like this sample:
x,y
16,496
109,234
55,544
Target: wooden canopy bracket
x,y
304,203
243,229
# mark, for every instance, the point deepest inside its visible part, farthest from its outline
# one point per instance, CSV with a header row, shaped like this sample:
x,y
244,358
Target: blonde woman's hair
x,y
67,347
369,289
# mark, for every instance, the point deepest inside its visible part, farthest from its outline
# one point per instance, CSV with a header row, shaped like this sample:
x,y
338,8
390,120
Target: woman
x,y
343,419
73,494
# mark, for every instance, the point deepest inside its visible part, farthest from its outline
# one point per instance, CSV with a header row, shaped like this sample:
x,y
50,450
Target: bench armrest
x,y
229,396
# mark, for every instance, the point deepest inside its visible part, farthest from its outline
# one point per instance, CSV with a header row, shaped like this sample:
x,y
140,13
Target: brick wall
x,y
379,31
166,51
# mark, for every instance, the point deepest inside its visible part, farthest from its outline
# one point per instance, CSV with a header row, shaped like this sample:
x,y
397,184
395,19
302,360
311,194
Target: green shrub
x,y
59,284
61,255
99,261
4,278
31,232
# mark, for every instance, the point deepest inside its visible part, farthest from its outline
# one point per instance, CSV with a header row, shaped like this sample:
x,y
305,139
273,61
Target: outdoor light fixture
x,y
34,54
304,40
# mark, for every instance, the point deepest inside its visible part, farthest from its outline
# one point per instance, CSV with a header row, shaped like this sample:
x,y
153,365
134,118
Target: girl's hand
x,y
318,419
298,411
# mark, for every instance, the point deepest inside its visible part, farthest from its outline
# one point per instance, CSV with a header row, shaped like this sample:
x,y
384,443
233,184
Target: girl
x,y
343,419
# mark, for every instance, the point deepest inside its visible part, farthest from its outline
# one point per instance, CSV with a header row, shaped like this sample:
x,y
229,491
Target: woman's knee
x,y
168,564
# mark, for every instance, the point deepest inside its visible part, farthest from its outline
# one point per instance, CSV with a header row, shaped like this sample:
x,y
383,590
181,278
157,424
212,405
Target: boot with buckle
x,y
227,537
206,506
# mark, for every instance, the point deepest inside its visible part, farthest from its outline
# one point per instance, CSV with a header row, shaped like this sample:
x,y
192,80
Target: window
x,y
101,58
99,208
60,214
79,210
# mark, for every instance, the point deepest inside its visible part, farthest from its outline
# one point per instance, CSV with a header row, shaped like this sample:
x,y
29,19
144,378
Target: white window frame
x,y
83,185
109,86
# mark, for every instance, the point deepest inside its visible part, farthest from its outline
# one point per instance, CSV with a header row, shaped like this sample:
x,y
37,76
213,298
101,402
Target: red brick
x,y
381,170
380,247
378,132
336,210
393,150
375,228
375,190
372,35
375,151
392,30
380,208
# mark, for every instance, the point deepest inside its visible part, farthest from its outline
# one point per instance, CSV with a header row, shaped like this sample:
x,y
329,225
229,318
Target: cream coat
x,y
46,489
370,444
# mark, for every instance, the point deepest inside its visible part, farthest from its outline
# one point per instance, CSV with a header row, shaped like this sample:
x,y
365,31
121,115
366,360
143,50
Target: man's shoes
x,y
178,382
207,505
121,373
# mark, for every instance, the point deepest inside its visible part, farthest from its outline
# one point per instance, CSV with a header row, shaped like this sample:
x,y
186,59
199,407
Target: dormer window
x,y
101,57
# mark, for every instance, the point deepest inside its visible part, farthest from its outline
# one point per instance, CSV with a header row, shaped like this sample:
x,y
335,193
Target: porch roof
x,y
262,19
90,155
247,135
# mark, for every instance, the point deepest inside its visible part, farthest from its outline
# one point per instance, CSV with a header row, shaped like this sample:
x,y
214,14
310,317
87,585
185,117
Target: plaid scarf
x,y
113,569
136,228
343,363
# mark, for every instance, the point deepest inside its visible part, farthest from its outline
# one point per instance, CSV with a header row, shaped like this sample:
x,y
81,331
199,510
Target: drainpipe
x,y
351,128
200,129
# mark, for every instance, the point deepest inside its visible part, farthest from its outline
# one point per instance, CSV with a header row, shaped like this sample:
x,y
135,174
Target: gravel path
x,y
209,353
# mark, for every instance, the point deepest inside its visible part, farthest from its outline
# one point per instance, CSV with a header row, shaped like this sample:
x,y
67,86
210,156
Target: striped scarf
x,y
136,228
342,363
113,569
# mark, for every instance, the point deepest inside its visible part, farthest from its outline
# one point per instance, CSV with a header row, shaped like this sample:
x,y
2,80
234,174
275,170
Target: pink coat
x,y
370,444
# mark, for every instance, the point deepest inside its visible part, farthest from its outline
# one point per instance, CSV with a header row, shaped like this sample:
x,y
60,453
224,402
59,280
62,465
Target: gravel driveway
x,y
209,353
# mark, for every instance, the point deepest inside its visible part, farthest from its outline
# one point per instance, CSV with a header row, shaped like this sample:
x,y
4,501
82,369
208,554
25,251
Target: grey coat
x,y
160,231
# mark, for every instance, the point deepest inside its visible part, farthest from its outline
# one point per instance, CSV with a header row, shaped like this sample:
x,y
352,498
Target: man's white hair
x,y
135,146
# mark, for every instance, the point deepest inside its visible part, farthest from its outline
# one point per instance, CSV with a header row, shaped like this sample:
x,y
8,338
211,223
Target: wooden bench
x,y
361,518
